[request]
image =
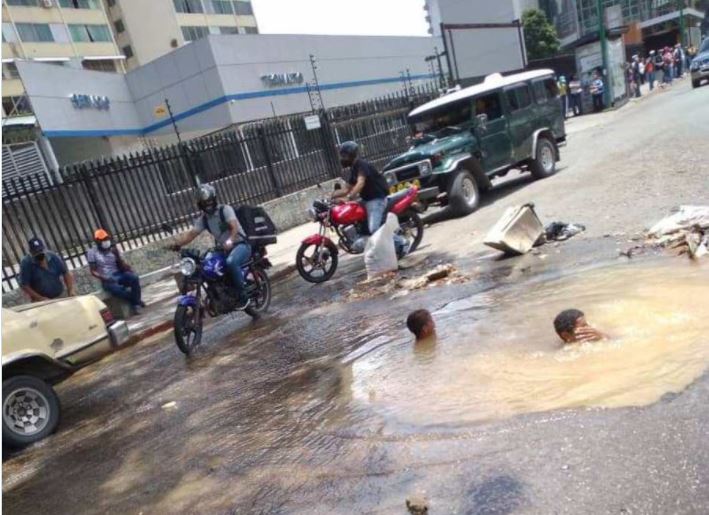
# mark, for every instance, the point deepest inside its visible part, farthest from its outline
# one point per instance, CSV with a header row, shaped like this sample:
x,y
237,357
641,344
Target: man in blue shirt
x,y
41,273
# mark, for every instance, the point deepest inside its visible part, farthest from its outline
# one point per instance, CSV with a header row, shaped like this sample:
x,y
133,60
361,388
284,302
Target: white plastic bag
x,y
379,252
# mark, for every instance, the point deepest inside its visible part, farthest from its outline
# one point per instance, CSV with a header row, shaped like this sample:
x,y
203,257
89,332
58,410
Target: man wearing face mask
x,y
108,266
221,222
41,273
365,182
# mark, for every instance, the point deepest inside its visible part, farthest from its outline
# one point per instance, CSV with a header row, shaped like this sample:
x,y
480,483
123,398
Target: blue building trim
x,y
222,100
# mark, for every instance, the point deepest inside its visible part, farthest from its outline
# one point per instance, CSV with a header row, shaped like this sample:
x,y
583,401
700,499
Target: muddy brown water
x,y
497,354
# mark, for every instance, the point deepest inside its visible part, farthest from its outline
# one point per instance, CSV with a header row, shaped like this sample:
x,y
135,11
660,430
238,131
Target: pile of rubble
x,y
686,231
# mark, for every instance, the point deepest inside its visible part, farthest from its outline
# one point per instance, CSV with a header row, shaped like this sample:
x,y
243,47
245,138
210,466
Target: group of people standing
x,y
571,94
662,66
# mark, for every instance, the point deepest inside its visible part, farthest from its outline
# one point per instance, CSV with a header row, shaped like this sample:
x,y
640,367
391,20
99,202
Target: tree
x,y
540,36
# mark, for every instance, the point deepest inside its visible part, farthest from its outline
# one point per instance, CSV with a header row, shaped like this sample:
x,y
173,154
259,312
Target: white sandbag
x,y
685,218
379,252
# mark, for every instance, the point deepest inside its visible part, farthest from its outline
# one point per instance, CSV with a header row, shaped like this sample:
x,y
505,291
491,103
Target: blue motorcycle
x,y
207,289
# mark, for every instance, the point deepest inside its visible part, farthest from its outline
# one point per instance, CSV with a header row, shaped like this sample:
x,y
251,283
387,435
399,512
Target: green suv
x,y
466,138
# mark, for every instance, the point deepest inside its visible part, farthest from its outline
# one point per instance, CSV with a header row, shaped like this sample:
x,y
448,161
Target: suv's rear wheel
x,y
696,83
30,410
544,162
463,194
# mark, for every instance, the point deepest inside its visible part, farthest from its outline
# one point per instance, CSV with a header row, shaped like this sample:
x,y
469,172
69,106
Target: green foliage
x,y
540,35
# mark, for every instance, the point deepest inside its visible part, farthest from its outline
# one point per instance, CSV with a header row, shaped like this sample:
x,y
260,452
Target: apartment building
x,y
62,32
146,30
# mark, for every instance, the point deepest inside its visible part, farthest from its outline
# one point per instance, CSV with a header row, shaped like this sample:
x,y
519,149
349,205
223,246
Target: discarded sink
x,y
517,231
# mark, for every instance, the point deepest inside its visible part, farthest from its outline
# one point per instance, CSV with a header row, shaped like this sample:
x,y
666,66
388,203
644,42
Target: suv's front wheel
x,y
30,410
463,194
544,162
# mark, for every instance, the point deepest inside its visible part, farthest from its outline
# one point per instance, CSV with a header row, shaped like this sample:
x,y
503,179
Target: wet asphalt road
x,y
263,423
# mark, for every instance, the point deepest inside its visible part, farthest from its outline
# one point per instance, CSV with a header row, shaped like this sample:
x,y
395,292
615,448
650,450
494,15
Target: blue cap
x,y
36,246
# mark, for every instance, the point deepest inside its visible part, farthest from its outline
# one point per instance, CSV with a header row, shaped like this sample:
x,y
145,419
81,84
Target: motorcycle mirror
x,y
167,228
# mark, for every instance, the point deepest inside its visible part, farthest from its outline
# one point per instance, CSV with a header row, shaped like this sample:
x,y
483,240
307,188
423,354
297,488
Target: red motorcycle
x,y
317,256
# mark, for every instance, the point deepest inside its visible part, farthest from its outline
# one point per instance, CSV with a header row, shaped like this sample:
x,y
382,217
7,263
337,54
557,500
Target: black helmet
x,y
348,153
207,198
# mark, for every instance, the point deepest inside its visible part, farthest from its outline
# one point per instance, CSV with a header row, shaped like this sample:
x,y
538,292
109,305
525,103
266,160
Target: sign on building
x,y
282,79
79,101
312,122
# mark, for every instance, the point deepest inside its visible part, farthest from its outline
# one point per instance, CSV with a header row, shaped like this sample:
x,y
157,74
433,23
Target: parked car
x,y
466,138
43,344
699,69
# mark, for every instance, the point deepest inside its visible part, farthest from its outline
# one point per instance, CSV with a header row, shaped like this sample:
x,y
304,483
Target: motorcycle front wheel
x,y
260,295
188,329
316,263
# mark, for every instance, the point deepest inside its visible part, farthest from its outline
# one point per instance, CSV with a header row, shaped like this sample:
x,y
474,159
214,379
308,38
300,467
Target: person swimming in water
x,y
572,327
421,324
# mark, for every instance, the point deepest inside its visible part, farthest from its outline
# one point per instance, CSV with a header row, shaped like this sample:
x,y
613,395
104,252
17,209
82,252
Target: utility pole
x,y
604,53
172,119
680,4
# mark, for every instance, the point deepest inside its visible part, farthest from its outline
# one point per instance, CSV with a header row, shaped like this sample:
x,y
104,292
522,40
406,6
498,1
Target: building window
x,y
243,8
119,26
89,33
220,6
9,71
80,4
99,66
228,30
127,51
23,3
250,30
59,33
16,106
192,33
188,6
34,32
8,33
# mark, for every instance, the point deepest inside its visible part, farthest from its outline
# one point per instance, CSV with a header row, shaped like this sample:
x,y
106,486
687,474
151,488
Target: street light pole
x,y
604,53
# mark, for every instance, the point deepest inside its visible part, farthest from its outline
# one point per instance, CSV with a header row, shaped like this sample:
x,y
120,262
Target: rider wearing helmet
x,y
109,267
364,180
221,222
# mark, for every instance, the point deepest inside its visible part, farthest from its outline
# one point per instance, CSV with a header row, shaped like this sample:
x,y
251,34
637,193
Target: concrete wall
x,y
148,39
50,88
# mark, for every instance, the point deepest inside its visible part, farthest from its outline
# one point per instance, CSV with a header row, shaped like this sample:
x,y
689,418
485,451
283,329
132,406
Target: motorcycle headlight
x,y
313,214
187,266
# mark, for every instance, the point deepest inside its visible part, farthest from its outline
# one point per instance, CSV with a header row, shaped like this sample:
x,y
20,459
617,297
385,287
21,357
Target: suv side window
x,y
545,89
489,105
519,97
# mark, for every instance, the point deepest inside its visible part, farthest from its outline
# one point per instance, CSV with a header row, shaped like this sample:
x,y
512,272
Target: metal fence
x,y
134,195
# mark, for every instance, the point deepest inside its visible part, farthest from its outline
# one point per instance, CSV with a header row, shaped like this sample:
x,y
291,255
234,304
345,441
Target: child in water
x,y
571,326
420,322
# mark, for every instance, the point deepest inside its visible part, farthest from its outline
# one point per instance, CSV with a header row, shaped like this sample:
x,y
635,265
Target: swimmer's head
x,y
420,322
567,322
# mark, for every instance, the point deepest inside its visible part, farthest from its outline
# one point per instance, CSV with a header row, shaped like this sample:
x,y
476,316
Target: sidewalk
x,y
161,295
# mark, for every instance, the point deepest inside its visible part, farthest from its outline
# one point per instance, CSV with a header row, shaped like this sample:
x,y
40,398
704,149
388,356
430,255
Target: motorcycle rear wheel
x,y
412,227
188,333
308,264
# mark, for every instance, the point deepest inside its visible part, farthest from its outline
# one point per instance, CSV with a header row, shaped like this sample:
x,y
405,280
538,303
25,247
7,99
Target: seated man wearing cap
x,y
108,266
41,273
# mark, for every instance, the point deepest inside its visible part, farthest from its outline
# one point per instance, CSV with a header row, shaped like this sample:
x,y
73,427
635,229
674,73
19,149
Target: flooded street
x,y
327,406
296,415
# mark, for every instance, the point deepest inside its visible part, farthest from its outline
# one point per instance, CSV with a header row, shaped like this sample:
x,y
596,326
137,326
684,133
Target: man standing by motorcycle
x,y
221,222
364,180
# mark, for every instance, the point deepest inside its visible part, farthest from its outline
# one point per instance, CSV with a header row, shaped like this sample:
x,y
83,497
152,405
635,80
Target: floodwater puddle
x,y
497,354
